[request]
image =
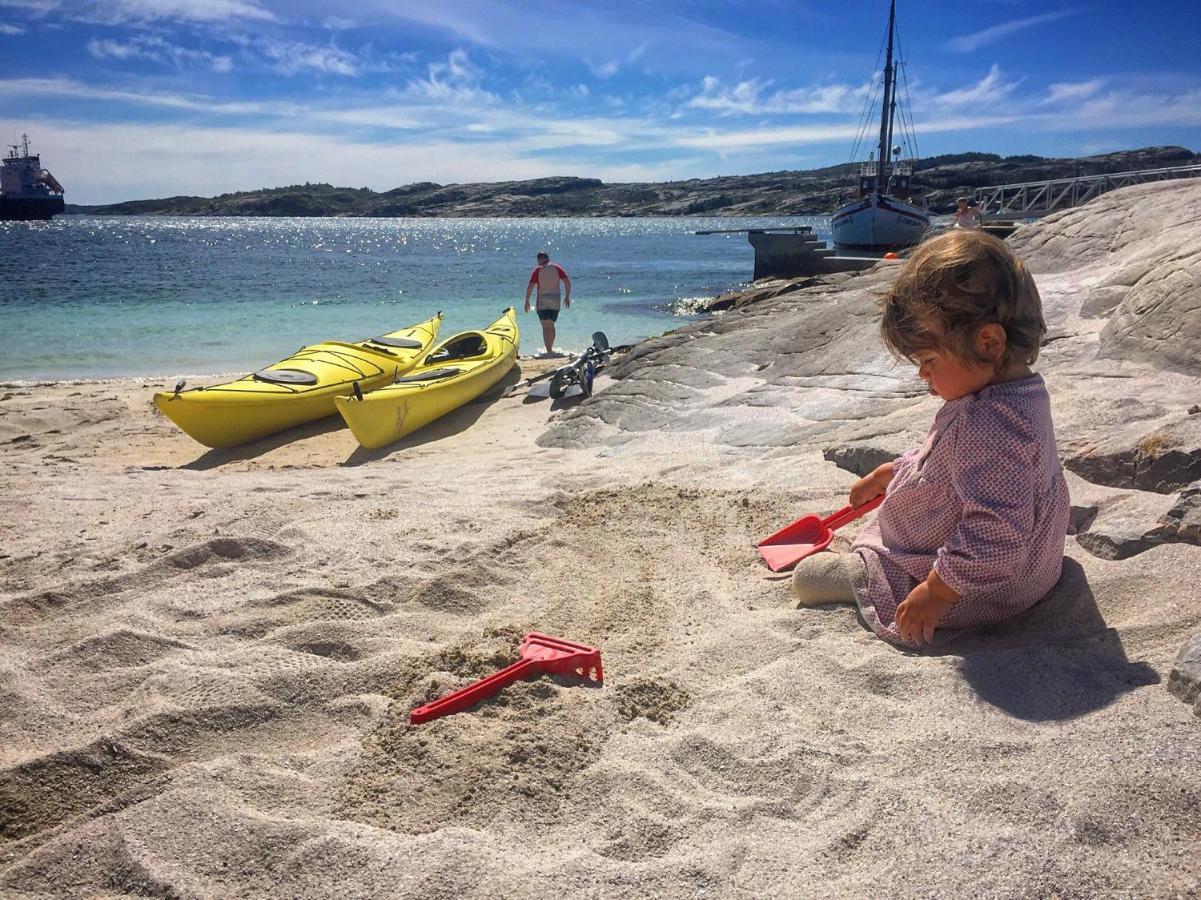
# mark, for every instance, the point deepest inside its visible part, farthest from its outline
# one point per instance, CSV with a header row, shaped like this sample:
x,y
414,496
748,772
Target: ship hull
x,y
878,223
16,209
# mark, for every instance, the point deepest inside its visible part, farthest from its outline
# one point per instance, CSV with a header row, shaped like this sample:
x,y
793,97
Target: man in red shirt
x,y
547,278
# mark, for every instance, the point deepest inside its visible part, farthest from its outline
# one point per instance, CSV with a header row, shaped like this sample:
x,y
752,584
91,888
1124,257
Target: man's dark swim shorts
x,y
548,315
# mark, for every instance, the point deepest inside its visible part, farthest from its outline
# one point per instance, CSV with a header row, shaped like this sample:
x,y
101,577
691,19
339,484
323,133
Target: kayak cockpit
x,y
465,346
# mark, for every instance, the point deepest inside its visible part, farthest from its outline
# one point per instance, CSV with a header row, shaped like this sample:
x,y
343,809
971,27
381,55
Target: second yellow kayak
x,y
459,370
295,390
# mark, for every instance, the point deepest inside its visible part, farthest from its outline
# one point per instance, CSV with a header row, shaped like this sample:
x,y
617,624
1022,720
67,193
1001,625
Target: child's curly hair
x,y
952,285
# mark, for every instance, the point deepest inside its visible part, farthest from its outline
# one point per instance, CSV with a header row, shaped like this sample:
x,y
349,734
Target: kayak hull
x,y
427,393
255,406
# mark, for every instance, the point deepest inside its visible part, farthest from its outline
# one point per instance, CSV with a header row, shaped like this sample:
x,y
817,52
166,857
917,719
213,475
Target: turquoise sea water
x,y
100,297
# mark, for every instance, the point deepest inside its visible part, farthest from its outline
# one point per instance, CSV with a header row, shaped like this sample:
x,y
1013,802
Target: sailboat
x,y
885,216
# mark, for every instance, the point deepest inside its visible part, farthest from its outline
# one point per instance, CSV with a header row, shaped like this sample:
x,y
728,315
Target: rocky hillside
x,y
813,192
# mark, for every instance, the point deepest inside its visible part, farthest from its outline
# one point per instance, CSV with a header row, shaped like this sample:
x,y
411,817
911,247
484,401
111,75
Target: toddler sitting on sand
x,y
972,527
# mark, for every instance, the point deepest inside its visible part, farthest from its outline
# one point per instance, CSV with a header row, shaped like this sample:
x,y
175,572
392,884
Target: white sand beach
x,y
207,658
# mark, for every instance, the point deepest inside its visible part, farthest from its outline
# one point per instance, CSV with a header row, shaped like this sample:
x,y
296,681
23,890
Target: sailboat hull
x,y
878,223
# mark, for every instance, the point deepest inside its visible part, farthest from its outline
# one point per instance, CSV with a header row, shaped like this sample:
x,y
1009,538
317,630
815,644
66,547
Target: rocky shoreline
x,y
814,192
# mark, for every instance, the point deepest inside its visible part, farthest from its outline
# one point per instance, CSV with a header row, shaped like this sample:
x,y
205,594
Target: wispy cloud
x,y
120,11
727,141
160,51
69,88
1072,92
33,6
92,160
291,57
751,97
457,80
968,43
10,29
611,67
387,116
989,90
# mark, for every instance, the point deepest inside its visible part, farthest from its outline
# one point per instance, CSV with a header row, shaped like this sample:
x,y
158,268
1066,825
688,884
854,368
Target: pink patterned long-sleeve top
x,y
983,502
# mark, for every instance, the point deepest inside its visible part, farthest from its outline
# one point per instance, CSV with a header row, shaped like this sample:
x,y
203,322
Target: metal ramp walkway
x,y
1037,198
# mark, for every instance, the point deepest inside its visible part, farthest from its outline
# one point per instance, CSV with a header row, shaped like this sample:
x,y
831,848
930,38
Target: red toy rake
x,y
808,535
539,653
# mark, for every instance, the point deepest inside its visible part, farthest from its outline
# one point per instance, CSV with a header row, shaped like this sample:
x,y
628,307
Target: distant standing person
x,y
966,216
547,277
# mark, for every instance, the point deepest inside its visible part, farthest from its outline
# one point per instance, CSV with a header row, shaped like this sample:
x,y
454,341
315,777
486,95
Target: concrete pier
x,y
792,255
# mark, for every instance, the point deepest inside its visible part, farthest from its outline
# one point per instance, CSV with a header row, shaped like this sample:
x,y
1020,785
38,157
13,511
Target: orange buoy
x,y
891,255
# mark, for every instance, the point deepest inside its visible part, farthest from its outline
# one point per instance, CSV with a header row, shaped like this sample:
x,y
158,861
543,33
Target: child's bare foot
x,y
822,579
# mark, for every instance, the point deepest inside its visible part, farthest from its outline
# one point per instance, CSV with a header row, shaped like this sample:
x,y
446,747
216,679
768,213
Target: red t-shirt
x,y
547,278
537,269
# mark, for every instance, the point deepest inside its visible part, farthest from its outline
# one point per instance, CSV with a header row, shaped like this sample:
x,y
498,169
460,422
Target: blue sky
x,y
129,99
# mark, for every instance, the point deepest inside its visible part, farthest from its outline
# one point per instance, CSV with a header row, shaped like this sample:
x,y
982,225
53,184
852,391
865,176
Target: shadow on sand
x,y
215,458
1056,661
450,424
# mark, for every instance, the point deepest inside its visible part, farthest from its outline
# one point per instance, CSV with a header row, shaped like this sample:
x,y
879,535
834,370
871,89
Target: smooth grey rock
x,y
861,458
1102,301
1185,680
1164,460
1147,238
1113,523
1160,317
1126,525
798,368
1115,222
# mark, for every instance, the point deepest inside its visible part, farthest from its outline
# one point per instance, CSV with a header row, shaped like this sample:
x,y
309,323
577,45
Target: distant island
x,y
812,192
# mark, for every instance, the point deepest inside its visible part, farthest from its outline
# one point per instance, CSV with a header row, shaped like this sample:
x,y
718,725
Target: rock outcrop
x,y
1185,680
1142,249
814,192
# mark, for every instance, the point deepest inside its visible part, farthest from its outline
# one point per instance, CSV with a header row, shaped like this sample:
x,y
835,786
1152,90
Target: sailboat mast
x,y
885,156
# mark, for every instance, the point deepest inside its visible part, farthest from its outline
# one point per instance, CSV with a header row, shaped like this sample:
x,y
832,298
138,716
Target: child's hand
x,y
871,485
918,614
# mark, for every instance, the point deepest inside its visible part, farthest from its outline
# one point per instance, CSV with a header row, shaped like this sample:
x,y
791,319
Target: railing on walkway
x,y
1037,198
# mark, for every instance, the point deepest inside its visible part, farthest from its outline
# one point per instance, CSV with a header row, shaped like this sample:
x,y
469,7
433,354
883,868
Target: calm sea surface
x,y
99,297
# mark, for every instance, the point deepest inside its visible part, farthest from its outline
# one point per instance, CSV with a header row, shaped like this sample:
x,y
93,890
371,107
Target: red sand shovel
x,y
808,535
539,653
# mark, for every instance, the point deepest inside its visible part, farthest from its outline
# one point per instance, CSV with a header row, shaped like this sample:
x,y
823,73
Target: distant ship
x,y
886,216
27,191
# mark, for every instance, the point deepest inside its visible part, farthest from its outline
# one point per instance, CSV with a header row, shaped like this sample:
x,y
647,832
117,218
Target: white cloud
x,y
968,43
158,50
35,6
378,116
10,29
990,89
117,11
457,80
611,67
291,57
605,69
93,161
1072,92
750,97
66,87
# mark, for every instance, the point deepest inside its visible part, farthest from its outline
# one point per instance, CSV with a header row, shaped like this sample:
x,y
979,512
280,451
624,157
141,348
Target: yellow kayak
x,y
295,390
459,370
